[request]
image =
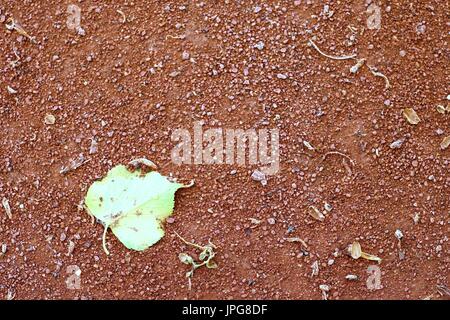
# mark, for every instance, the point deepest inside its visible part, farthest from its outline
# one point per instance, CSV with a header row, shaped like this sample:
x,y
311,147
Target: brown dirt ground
x,y
101,86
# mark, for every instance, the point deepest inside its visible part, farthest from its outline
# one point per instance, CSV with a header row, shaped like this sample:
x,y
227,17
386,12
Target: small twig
x,y
353,56
376,73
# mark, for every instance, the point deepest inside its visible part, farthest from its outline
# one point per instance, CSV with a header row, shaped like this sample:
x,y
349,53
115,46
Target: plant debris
x,y
356,252
133,205
329,56
411,116
376,73
124,18
12,25
206,257
316,214
49,119
11,90
445,143
297,239
308,145
6,206
358,65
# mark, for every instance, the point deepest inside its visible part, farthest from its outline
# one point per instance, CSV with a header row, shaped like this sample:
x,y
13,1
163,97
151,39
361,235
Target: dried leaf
x,y
411,116
445,143
316,214
7,208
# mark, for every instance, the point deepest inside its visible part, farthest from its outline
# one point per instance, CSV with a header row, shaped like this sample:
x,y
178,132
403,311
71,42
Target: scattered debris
x,y
397,143
398,234
411,116
308,145
70,248
358,65
329,56
12,25
74,164
325,289
443,290
124,18
376,73
259,176
140,162
10,294
297,239
11,90
49,119
355,251
93,147
445,143
328,207
315,268
441,109
259,45
316,214
255,221
206,258
6,206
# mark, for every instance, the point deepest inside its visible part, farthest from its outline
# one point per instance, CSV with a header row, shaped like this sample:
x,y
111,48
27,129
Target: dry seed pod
x,y
411,116
316,214
355,250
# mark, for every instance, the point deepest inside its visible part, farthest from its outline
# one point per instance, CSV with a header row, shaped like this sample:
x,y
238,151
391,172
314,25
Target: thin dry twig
x,y
353,56
376,73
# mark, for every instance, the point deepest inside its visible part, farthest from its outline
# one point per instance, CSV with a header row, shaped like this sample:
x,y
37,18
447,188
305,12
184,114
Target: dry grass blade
x,y
7,208
353,56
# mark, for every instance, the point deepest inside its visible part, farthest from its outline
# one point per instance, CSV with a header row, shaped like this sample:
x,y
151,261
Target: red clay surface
x,y
116,85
